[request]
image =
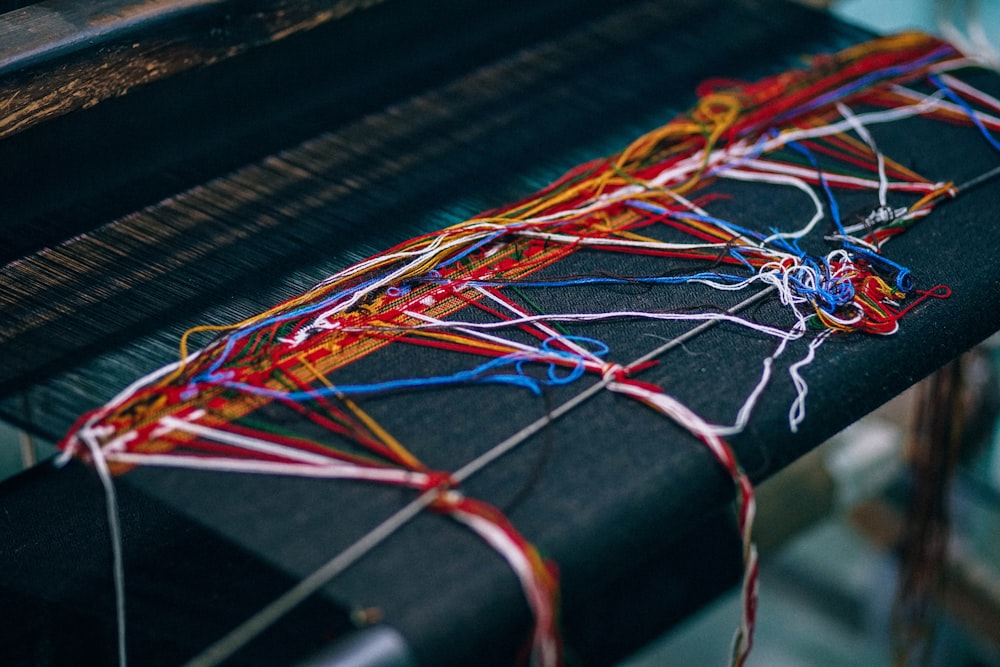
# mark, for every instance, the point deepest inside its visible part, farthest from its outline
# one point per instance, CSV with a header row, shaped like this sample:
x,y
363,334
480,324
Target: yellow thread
x,y
376,429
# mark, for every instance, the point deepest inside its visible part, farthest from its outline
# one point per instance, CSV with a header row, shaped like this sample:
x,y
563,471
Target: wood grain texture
x,y
59,57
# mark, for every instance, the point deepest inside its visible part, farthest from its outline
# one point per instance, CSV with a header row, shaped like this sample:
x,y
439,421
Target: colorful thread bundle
x,y
464,291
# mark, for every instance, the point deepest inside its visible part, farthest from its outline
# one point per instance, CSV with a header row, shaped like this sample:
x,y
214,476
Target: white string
x,y
474,334
552,333
984,49
927,104
866,136
969,91
569,239
241,441
598,317
221,464
114,530
780,179
797,411
986,119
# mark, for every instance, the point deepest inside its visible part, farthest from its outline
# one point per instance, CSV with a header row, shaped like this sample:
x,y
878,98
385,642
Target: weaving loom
x,y
243,158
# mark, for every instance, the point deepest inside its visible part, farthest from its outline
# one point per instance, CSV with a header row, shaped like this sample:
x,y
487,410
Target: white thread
x,y
246,442
797,411
597,317
329,471
114,529
859,127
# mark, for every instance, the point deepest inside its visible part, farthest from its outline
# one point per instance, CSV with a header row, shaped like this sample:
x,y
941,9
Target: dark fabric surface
x,y
186,585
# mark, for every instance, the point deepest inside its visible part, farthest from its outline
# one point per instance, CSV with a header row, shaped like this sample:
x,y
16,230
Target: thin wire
x,y
973,182
688,335
274,611
979,180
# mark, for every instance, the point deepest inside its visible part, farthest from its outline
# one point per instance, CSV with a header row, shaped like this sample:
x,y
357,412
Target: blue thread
x,y
646,206
950,94
475,246
749,233
578,368
479,374
737,254
788,245
815,282
884,267
298,312
610,280
834,208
